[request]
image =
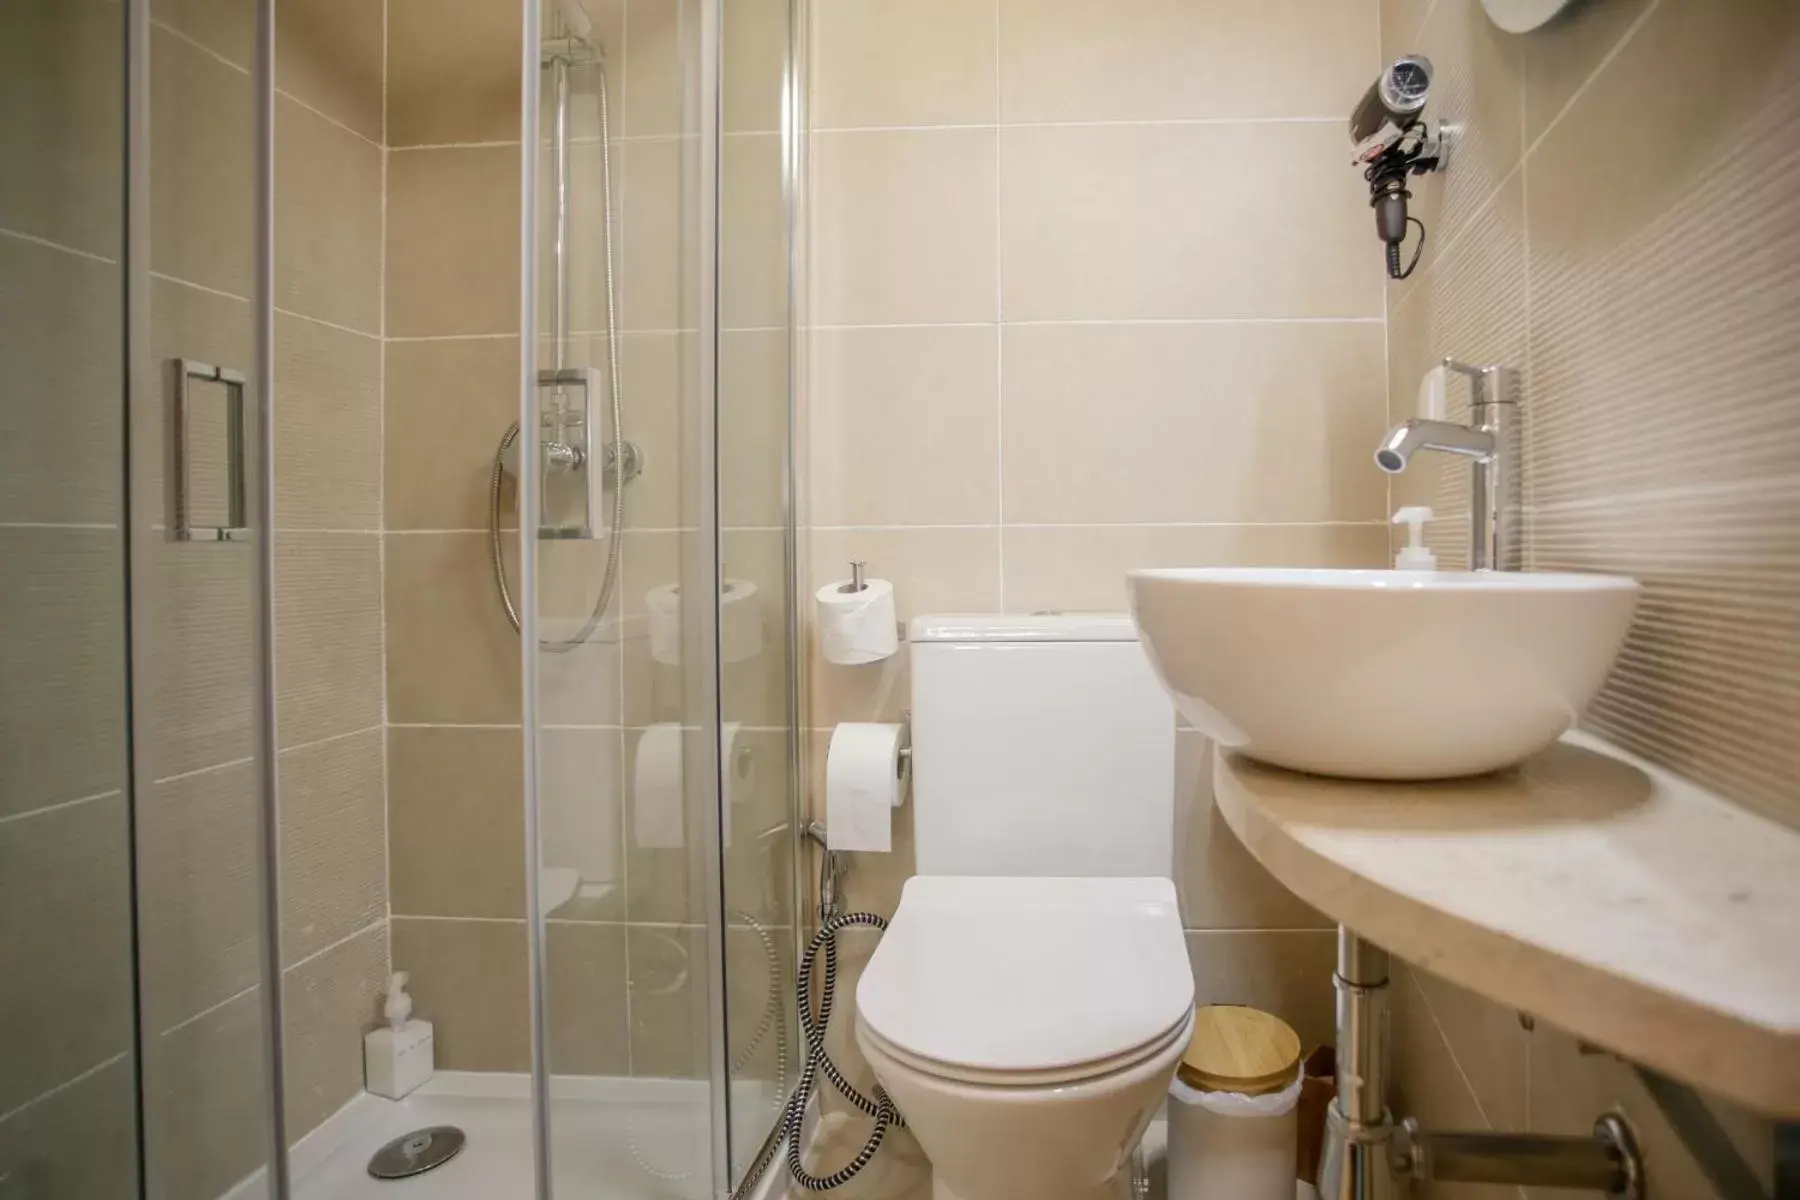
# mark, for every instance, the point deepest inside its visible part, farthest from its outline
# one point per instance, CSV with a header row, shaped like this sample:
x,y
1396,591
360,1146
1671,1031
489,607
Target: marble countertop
x,y
1611,898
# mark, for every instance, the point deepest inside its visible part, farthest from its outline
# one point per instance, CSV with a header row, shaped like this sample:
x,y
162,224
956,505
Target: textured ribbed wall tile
x,y
333,841
329,54
202,196
62,653
200,878
65,937
61,429
327,220
205,1097
332,1000
202,666
327,427
327,634
61,139
80,1142
1662,441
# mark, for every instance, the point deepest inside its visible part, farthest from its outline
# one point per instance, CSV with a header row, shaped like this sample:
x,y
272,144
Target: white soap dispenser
x,y
397,1059
1414,556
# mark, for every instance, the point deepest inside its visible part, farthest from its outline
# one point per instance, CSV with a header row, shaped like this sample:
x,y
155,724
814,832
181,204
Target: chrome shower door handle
x,y
182,524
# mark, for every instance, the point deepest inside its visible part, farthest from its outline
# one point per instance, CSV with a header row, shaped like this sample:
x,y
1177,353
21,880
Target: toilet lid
x,y
1018,974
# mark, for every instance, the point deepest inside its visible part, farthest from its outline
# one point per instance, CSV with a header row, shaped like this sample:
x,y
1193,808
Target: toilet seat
x,y
1028,981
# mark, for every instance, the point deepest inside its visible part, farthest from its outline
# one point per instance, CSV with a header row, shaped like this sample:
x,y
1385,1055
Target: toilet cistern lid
x,y
1028,974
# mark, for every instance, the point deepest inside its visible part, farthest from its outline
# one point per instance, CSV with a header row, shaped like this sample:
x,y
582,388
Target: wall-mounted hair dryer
x,y
1394,141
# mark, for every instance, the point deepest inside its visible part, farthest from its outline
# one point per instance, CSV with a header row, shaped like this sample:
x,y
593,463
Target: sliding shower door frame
x,y
145,432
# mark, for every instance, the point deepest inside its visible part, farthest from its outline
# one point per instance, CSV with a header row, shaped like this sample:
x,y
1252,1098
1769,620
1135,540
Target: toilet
x,y
1032,996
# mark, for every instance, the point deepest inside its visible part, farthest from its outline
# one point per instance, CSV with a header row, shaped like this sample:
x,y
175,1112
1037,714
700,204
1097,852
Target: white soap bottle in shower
x,y
1414,556
399,1057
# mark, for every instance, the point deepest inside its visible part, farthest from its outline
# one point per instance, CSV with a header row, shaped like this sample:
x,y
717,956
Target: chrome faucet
x,y
1491,439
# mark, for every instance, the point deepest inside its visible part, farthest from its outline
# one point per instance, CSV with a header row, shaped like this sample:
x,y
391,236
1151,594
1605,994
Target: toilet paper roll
x,y
863,786
740,622
857,627
658,799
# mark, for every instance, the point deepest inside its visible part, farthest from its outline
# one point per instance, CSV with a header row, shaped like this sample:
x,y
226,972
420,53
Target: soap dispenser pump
x,y
399,1057
1414,556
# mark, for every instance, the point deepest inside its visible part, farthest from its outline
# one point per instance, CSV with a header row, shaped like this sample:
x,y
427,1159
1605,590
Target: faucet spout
x,y
1409,437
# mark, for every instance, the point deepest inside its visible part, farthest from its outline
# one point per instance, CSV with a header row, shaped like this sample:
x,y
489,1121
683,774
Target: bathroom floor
x,y
626,1142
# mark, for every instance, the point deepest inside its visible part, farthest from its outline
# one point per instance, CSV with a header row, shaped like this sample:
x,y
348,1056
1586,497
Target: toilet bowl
x,y
1027,1028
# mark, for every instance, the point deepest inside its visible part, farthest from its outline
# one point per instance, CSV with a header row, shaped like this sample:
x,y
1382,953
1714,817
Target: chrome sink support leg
x,y
1359,1130
1370,1156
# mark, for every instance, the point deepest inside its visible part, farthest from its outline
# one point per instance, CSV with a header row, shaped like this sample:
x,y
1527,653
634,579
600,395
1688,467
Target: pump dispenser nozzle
x,y
399,1005
1414,557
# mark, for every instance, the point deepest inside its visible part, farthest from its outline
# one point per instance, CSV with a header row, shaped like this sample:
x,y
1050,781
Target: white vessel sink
x,y
1381,674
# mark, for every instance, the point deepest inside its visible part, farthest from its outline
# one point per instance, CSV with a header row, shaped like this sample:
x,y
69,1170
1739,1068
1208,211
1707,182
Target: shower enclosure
x,y
317,321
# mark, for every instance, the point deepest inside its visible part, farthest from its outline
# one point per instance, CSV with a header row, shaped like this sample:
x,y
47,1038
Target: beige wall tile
x,y
759,971
929,63
334,850
63,86
1288,974
1489,1045
202,138
654,285
200,875
669,1017
1570,1087
82,1141
1401,21
753,689
332,1000
932,570
667,882
1427,1083
453,72
205,1100
1221,885
327,220
65,933
589,1030
756,59
327,634
226,27
1145,60
581,791
454,797
1125,222
330,54
451,656
202,662
658,54
753,241
1259,422
469,980
59,315
447,403
1562,58
453,242
753,427
327,427
883,403
1082,569
759,869
903,227
62,633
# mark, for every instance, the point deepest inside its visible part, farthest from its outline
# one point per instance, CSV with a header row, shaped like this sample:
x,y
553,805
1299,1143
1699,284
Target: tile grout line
x,y
1124,123
64,1086
377,923
999,317
47,244
59,806
1618,47
616,224
381,284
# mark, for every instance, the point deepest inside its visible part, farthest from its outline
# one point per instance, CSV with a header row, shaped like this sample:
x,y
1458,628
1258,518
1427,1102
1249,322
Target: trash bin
x,y
1232,1108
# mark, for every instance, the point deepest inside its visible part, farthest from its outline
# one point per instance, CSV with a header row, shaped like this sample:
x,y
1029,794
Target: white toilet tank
x,y
1041,746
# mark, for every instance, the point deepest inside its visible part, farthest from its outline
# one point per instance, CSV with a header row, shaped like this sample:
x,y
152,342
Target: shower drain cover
x,y
417,1152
